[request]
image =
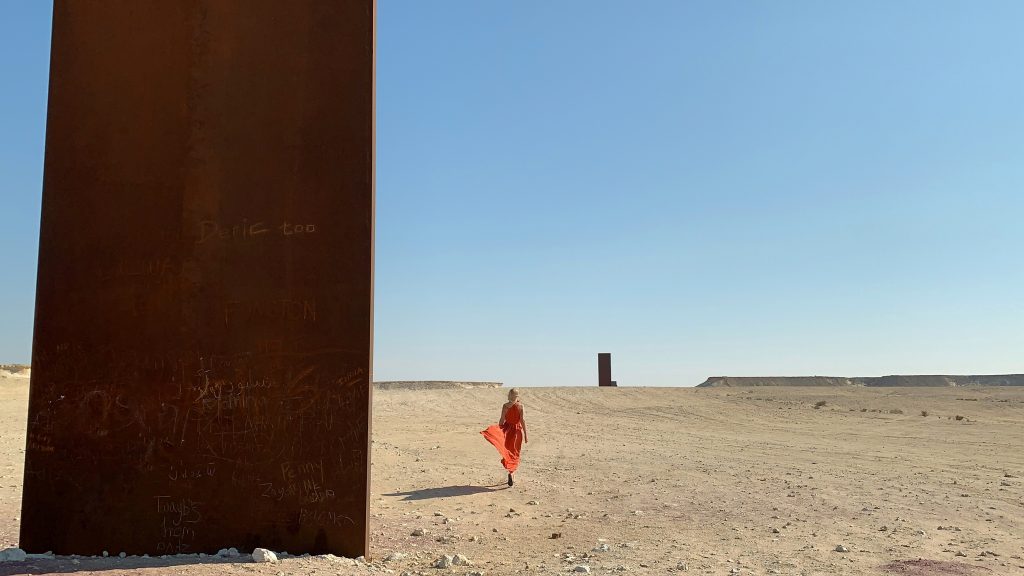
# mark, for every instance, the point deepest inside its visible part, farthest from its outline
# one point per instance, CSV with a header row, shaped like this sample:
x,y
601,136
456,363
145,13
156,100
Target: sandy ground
x,y
713,481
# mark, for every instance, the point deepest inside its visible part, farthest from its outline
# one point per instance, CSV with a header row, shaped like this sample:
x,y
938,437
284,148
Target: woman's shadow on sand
x,y
448,492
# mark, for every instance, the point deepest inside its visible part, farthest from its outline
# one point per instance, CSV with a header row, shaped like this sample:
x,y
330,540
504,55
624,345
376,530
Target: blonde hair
x,y
513,392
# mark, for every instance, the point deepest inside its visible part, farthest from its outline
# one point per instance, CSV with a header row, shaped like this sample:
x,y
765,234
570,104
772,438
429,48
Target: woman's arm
x,y
504,409
522,419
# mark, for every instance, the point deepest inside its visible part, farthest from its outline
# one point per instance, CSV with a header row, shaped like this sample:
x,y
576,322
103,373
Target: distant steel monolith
x,y
604,370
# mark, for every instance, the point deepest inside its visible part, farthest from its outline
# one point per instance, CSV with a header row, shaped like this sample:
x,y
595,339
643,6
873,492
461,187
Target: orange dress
x,y
508,438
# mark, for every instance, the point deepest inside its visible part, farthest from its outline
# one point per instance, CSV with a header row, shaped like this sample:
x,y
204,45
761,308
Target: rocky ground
x,y
659,481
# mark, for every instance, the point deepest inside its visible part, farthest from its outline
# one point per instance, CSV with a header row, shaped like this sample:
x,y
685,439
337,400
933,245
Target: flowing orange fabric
x,y
508,438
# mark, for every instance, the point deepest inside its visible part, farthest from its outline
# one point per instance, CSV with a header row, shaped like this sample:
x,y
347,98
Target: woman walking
x,y
509,434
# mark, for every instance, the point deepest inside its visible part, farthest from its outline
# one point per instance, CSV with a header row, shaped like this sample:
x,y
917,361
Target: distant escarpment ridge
x,y
14,371
432,385
871,382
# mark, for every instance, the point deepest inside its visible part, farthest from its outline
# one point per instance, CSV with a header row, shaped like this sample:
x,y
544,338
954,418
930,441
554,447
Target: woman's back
x,y
513,414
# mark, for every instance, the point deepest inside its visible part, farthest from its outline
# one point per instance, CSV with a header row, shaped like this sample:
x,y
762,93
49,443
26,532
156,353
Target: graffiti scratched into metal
x,y
201,358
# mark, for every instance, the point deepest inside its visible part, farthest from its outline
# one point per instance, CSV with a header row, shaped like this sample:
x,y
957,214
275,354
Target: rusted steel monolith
x,y
604,369
201,359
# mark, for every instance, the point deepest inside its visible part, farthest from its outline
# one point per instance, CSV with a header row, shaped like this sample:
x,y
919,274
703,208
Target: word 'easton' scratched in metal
x,y
201,360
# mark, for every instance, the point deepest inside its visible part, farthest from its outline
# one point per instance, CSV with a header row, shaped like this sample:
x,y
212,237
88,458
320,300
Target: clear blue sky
x,y
700,188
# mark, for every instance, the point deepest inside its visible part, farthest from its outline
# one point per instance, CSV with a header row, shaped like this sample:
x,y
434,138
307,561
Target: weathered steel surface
x,y
604,369
201,361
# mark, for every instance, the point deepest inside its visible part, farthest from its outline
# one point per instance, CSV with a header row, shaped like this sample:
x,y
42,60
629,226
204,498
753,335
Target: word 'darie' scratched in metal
x,y
201,361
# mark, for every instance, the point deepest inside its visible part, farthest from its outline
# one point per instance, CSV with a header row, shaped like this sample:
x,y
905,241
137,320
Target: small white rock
x,y
601,548
263,555
419,532
460,560
394,556
443,562
582,569
123,555
228,553
841,548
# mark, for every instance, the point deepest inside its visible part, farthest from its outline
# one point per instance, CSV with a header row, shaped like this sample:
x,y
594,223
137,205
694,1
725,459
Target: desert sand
x,y
661,480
